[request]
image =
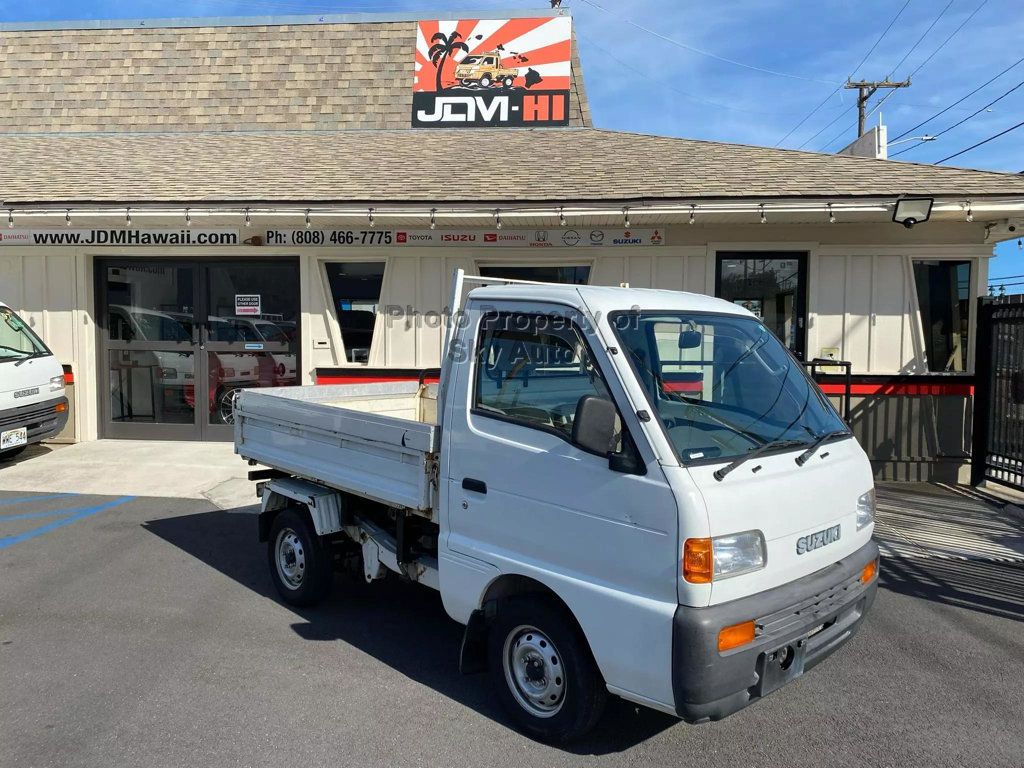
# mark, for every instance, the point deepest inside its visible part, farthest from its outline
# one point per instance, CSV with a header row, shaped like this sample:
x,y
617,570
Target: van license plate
x,y
13,438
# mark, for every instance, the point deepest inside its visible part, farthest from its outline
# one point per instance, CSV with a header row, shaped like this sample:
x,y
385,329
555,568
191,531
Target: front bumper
x,y
831,604
42,420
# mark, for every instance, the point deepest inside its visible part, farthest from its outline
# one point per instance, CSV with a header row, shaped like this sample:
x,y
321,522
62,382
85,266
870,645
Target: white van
x,y
32,402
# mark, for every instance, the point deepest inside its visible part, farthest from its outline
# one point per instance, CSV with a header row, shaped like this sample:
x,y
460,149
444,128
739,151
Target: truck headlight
x,y
56,383
707,560
866,509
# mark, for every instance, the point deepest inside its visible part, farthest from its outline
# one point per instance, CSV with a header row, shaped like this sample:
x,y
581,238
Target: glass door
x,y
179,339
772,285
251,334
148,351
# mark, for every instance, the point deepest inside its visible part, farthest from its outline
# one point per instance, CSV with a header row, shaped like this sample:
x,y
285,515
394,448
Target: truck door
x,y
526,500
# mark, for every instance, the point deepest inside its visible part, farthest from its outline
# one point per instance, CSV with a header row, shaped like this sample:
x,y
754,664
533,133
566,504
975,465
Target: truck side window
x,y
532,370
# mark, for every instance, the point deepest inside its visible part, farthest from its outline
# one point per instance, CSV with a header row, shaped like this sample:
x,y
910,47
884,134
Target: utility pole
x,y
865,90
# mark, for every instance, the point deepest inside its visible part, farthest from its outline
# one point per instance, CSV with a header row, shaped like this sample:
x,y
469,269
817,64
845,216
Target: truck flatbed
x,y
374,440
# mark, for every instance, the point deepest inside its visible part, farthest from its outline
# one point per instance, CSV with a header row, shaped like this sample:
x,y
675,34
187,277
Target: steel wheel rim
x,y
533,671
290,557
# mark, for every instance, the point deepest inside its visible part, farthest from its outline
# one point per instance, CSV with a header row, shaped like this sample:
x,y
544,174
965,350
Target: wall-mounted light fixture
x,y
912,210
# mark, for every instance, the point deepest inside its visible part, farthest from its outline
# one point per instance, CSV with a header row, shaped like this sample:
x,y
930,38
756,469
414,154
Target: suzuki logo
x,y
466,109
817,540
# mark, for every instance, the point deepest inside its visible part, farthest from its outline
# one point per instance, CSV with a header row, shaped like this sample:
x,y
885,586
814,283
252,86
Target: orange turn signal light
x,y
869,572
698,561
60,407
736,635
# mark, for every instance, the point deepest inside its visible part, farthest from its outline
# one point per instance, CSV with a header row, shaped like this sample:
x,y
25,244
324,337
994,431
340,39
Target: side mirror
x,y
593,426
690,339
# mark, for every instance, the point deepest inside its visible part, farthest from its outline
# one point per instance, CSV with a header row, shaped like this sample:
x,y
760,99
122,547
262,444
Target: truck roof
x,y
605,299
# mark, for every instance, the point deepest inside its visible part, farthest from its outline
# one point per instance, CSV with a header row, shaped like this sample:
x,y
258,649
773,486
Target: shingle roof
x,y
235,75
453,165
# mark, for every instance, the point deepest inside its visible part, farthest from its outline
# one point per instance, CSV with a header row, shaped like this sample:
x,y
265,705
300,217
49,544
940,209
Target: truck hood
x,y
34,373
786,502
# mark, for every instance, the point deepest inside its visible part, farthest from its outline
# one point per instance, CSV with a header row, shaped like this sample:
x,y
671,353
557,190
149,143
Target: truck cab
x,y
32,402
596,526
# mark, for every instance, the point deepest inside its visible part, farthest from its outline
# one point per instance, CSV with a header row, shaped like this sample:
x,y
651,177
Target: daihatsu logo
x,y
27,392
817,540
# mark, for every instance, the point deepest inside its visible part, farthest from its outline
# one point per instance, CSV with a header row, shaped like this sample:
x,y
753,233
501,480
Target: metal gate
x,y
999,405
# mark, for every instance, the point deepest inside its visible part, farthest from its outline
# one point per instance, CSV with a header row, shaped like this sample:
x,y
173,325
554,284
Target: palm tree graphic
x,y
442,48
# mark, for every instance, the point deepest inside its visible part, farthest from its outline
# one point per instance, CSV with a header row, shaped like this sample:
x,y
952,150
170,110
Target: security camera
x,y
909,223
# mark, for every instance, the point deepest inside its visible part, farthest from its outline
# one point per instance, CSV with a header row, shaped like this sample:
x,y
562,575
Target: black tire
x,y
485,81
536,624
308,579
10,453
508,82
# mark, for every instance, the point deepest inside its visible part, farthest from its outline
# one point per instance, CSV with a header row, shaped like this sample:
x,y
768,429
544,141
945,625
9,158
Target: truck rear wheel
x,y
543,671
300,564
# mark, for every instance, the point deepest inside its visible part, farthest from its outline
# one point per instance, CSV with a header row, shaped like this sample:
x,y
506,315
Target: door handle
x,y
477,486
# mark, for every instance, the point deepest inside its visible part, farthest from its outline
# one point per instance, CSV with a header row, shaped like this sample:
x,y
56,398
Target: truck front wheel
x,y
485,81
300,564
543,671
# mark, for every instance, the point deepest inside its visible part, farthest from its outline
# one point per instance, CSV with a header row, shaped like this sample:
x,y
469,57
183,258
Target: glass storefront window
x,y
771,285
571,275
944,302
355,291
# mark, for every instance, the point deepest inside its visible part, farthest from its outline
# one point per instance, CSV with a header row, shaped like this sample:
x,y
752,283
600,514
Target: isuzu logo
x,y
27,392
817,540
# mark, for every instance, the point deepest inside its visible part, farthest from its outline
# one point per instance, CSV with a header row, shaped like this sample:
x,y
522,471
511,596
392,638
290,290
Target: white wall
x,y
860,295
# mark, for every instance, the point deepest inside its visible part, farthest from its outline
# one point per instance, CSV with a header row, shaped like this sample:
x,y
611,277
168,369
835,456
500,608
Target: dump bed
x,y
375,440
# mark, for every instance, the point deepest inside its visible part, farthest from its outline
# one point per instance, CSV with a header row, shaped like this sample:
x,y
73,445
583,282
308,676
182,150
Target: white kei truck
x,y
596,528
32,402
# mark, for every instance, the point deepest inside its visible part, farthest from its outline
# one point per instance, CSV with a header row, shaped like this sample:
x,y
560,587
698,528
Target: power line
x,y
663,84
964,120
980,143
906,56
1004,277
918,68
701,52
839,87
960,100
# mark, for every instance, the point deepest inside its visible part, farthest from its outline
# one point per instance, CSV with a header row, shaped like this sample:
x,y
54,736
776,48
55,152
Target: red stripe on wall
x,y
901,388
370,379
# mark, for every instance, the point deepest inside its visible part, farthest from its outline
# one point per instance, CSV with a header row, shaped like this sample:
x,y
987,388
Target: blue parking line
x,y
36,498
10,541
48,513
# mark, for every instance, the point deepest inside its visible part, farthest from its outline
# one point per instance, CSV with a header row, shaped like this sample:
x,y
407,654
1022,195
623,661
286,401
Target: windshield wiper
x,y
804,457
774,444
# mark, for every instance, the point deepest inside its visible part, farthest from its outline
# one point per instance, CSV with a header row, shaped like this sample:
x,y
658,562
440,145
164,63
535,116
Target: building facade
x,y
198,207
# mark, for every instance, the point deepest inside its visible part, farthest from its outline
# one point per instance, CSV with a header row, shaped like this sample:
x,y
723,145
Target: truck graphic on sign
x,y
485,70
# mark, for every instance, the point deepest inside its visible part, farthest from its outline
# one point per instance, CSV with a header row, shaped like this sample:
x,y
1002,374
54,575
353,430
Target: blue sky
x,y
745,70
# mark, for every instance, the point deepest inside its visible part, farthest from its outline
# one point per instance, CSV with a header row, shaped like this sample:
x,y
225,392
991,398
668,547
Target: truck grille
x,y
818,606
29,417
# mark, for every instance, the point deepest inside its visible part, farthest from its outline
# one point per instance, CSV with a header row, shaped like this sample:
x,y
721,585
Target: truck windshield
x,y
17,341
723,385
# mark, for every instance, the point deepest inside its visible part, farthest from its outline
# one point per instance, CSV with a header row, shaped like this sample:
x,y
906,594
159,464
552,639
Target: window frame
x,y
328,293
917,316
478,348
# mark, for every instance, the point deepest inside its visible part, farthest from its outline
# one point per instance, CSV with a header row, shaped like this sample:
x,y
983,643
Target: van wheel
x,y
10,453
225,405
485,81
543,671
300,564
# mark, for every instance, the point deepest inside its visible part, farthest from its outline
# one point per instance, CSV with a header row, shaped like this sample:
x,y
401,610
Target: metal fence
x,y
999,413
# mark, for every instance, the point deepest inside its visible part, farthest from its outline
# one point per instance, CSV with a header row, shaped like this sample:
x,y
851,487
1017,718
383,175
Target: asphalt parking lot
x,y
142,631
